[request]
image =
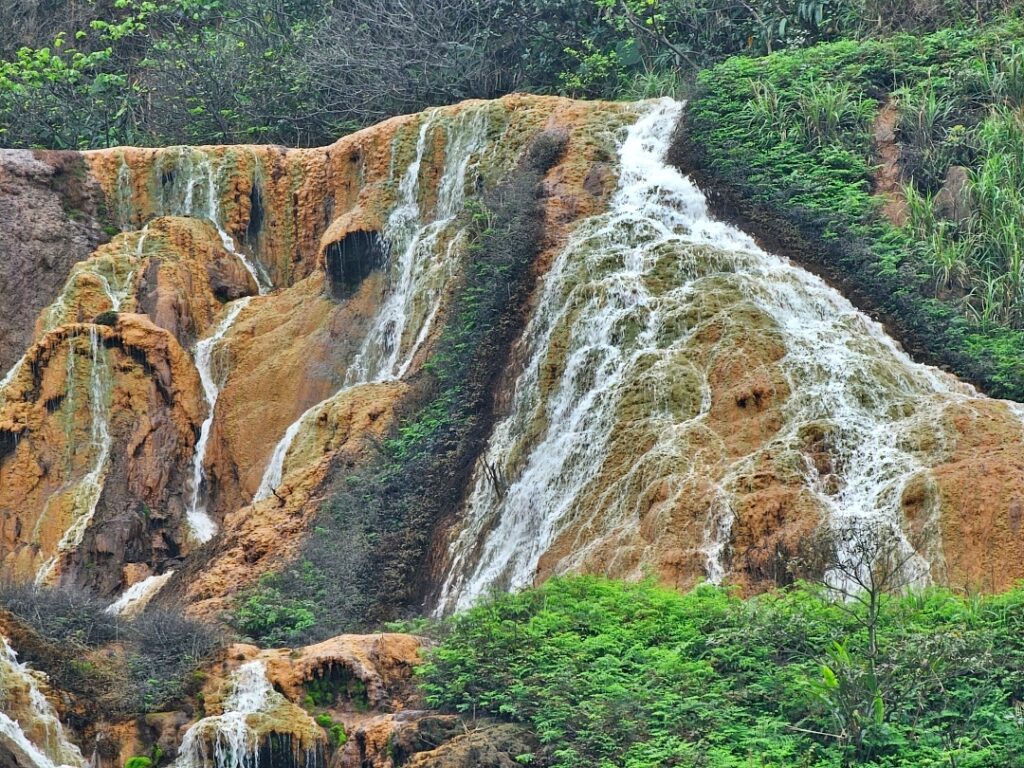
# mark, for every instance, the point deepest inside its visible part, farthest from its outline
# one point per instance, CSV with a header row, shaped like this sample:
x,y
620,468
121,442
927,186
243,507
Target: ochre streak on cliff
x,y
262,537
154,407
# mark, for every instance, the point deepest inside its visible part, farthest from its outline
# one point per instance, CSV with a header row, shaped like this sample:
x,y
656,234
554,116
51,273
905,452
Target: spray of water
x,y
202,525
86,494
48,747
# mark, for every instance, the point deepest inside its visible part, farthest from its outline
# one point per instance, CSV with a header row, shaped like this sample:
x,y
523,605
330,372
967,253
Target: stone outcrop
x,y
52,214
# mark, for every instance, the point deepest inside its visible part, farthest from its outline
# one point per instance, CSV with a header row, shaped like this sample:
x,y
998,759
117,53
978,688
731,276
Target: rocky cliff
x,y
216,342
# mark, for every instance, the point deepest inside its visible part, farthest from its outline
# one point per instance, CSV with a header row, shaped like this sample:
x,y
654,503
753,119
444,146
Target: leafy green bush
x,y
608,674
269,615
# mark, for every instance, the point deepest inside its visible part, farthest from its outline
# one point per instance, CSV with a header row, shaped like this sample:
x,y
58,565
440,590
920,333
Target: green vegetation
x,y
139,761
791,137
335,731
107,72
608,674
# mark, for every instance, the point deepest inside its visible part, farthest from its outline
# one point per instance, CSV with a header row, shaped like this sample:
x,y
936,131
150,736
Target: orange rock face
x,y
320,281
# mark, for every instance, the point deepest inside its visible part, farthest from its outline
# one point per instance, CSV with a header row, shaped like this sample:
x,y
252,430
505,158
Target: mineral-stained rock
x,y
50,214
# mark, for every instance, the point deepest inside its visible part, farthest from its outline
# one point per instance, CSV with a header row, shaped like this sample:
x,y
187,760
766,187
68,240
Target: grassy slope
x,y
787,139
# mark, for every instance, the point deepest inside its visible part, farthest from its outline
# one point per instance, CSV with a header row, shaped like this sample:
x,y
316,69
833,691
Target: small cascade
x,y
419,251
135,599
34,735
202,525
124,195
617,323
252,714
117,281
9,377
196,194
422,256
274,472
86,494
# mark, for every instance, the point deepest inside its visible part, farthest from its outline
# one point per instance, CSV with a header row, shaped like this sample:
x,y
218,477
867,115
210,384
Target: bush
x,y
158,650
634,675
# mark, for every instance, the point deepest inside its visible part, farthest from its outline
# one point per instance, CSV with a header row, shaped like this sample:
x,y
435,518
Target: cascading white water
x,y
275,468
86,494
134,599
50,747
197,195
404,320
615,318
115,281
230,740
234,744
422,251
202,525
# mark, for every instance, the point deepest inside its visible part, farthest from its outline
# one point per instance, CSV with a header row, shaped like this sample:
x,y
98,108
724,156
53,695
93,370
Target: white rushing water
x,y
202,525
85,495
229,740
195,192
135,599
422,251
116,280
48,745
606,308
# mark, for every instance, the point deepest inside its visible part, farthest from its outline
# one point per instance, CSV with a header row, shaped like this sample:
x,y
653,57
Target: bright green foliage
x,y
335,731
138,762
268,614
791,135
608,674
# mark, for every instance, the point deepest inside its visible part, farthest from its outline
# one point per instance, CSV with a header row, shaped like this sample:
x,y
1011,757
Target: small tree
x,y
859,562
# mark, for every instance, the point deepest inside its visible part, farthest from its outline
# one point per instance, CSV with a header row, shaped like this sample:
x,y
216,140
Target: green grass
x,y
608,674
790,136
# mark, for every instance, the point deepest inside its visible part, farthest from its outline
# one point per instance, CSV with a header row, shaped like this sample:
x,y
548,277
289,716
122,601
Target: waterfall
x,y
200,198
9,377
37,739
616,322
87,492
202,525
103,269
422,253
124,195
275,468
252,712
134,599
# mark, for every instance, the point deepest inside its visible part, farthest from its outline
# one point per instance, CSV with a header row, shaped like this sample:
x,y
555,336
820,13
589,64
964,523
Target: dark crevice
x,y
350,260
256,216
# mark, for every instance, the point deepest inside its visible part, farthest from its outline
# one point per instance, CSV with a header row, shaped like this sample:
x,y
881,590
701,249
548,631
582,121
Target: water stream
x,y
85,495
422,248
48,745
135,599
202,525
251,713
618,322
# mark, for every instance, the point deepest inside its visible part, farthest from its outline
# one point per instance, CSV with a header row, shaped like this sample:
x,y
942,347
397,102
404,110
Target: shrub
x,y
158,650
795,157
611,674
